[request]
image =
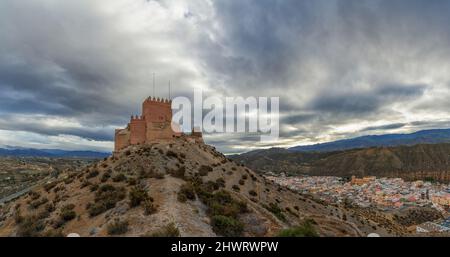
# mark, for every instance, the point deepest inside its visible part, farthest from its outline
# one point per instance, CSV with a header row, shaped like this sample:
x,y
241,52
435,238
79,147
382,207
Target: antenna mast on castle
x,y
169,89
153,84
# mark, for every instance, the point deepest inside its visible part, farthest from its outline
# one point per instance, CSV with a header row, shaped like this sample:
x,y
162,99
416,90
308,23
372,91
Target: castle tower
x,y
158,117
154,124
138,130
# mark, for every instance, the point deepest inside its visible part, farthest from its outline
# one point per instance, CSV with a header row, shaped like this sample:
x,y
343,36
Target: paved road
x,y
20,193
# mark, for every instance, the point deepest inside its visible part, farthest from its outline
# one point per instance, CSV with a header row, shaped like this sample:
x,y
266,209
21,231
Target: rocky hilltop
x,y
418,162
174,188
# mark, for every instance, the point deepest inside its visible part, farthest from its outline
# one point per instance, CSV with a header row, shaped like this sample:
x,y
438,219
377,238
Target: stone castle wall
x,y
154,124
122,139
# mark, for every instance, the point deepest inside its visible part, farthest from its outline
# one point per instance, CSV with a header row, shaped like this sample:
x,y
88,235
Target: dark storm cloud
x,y
333,63
50,65
332,59
367,101
385,127
297,118
24,91
73,60
34,126
431,125
273,42
263,37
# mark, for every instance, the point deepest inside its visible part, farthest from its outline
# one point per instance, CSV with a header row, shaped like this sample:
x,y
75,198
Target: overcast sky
x,y
73,71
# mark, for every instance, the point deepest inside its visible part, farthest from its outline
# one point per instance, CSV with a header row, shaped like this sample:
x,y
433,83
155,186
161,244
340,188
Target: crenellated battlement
x,y
158,100
137,118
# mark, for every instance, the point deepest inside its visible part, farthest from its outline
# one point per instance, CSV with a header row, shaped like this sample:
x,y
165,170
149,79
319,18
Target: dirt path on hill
x,y
189,217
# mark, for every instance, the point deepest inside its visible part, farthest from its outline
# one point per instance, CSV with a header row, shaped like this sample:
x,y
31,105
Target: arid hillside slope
x,y
175,188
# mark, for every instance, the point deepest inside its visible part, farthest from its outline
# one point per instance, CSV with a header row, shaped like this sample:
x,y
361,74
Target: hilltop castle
x,y
154,124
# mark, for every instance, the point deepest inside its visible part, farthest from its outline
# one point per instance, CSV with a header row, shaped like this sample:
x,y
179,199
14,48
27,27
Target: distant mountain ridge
x,y
433,136
417,162
31,152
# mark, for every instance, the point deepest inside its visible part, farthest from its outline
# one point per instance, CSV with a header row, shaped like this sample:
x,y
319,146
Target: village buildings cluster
x,y
383,193
386,194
